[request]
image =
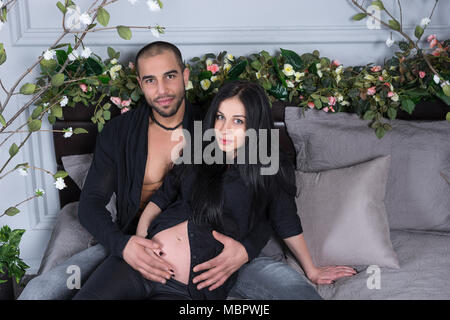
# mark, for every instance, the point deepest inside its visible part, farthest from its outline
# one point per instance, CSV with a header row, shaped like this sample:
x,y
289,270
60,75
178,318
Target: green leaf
x,y
61,7
2,121
93,67
124,32
107,115
392,113
292,58
61,56
380,132
11,211
394,24
369,115
408,105
35,125
60,174
111,53
80,130
359,16
279,92
446,90
418,32
103,16
57,111
47,66
237,69
28,88
379,4
447,117
256,65
2,54
13,150
58,80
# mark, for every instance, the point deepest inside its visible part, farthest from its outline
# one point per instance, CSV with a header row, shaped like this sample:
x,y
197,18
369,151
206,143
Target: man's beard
x,y
170,112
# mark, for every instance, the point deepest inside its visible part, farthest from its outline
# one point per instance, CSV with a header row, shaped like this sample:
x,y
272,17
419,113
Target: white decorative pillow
x,y
343,214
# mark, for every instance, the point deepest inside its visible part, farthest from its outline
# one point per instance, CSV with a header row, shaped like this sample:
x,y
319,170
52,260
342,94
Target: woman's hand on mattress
x,y
329,274
142,255
220,268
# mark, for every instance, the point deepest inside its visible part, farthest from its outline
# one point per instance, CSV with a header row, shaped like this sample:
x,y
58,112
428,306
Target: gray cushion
x,y
417,194
69,236
343,215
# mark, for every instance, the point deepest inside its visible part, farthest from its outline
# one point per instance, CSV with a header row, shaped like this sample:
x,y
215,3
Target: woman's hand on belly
x,y
174,244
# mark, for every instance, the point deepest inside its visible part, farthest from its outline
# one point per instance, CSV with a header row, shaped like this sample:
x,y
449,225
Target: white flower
x,y
73,55
133,2
39,192
446,83
59,184
85,18
318,66
153,5
49,54
189,86
394,97
319,73
114,61
86,53
205,84
345,103
338,78
209,62
436,79
114,70
258,75
23,171
214,78
229,58
288,70
389,42
1,3
339,69
425,22
64,101
68,132
290,84
155,32
227,67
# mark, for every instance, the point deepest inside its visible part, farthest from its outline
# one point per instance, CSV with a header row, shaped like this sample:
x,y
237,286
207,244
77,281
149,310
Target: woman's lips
x,y
224,141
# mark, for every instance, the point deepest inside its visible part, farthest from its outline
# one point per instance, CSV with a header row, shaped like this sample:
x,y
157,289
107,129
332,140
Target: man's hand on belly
x,y
140,254
220,268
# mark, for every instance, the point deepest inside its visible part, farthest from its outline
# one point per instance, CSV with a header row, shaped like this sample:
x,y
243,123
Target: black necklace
x,y
161,125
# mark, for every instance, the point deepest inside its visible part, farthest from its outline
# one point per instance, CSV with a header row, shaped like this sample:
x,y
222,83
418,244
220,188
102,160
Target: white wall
x,y
197,27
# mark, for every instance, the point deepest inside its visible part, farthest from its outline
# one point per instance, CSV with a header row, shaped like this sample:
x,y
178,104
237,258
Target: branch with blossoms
x,y
64,67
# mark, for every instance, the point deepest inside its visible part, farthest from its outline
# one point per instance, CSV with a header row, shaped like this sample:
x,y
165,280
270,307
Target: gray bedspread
x,y
424,272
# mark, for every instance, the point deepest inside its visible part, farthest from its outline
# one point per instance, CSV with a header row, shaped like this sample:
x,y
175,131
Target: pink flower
x,y
83,87
124,109
331,101
375,68
390,94
311,105
371,91
380,78
336,63
126,103
325,109
331,108
213,68
437,52
433,43
431,37
422,74
117,101
131,65
301,97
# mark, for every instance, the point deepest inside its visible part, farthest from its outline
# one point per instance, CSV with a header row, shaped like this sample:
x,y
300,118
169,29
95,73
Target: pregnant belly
x,y
174,244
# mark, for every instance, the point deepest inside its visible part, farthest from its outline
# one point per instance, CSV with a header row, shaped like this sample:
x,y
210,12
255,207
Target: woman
x,y
230,196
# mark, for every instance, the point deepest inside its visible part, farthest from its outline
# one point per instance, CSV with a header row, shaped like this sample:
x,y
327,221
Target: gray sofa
x,y
381,206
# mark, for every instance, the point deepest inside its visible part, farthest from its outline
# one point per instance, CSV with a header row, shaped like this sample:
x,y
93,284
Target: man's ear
x,y
139,81
186,76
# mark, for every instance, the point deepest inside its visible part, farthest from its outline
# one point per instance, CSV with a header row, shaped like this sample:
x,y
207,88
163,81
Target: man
x,y
133,153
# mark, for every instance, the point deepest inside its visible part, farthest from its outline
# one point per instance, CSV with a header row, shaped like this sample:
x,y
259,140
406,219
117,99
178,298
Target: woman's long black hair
x,y
207,195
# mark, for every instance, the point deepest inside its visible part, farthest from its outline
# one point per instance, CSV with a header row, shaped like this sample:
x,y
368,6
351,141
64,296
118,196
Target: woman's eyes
x,y
221,117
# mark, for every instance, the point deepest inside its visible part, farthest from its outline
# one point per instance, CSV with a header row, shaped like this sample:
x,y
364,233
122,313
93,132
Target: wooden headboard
x,y
85,143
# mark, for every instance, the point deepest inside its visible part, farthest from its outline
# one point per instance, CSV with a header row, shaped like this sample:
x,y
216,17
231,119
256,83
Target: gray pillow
x,y
417,195
69,237
343,215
